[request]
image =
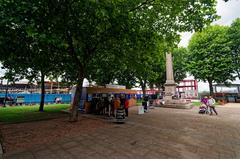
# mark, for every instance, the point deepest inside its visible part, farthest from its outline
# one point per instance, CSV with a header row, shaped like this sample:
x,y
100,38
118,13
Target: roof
x,y
110,90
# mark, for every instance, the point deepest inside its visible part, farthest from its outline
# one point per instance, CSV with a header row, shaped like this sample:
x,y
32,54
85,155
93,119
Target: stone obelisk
x,y
170,85
170,88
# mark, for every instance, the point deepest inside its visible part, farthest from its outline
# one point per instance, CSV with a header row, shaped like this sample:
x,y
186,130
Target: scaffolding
x,y
188,89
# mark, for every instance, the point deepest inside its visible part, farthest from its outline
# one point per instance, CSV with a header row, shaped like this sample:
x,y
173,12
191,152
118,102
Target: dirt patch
x,y
26,135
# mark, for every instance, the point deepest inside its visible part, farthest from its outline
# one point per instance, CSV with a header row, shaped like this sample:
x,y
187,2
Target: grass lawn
x,y
30,113
198,104
139,102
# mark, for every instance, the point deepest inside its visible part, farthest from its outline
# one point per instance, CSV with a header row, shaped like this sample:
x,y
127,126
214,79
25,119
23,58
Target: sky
x,y
228,11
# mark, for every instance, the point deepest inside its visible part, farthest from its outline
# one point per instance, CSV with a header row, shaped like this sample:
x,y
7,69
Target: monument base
x,y
176,104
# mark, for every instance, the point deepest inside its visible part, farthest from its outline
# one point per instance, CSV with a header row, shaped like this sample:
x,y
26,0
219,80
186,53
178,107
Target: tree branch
x,y
141,5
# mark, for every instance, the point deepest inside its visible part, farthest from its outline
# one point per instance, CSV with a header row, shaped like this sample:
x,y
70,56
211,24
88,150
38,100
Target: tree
x,y
180,63
25,49
234,38
210,56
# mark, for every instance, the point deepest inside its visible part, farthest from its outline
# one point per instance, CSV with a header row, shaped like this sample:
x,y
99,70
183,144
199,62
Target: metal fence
x,y
36,97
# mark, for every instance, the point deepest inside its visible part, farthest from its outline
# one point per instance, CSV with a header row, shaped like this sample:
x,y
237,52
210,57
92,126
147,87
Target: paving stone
x,y
69,144
152,155
226,156
63,154
54,147
97,156
24,155
88,142
161,133
141,151
101,149
38,148
44,154
81,151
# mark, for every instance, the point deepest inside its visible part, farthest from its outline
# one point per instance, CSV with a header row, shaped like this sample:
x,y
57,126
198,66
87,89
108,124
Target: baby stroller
x,y
202,109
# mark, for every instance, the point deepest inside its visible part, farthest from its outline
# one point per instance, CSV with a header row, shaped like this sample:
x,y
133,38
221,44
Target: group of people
x,y
208,104
109,105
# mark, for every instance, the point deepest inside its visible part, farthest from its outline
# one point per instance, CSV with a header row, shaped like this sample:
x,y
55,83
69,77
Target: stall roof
x,y
93,90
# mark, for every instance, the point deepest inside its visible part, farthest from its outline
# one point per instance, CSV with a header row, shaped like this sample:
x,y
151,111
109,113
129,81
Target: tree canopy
x,y
210,56
234,38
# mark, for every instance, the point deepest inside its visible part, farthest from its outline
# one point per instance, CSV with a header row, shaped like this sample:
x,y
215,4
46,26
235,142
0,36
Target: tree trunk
x,y
6,92
81,67
143,85
42,92
151,85
76,99
238,74
210,87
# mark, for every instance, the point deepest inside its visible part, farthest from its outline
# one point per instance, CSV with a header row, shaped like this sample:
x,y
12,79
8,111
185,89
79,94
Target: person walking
x,y
211,102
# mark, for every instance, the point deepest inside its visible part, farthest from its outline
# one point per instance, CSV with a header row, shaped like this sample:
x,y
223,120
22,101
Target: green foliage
x,y
180,63
30,113
41,27
210,56
234,38
198,104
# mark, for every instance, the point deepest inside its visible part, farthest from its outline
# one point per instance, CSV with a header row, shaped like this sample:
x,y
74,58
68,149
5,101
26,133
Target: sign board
x,y
20,99
140,110
120,115
115,86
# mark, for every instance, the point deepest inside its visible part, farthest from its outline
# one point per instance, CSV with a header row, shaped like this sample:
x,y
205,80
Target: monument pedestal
x,y
169,102
177,104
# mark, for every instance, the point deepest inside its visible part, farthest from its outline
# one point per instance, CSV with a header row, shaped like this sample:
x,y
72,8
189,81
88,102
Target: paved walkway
x,y
162,133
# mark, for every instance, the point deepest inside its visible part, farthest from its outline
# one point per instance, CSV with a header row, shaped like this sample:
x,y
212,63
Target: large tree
x,y
210,56
234,38
25,48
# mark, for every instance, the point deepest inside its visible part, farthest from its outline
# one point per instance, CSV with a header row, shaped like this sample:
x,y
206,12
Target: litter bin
x,y
140,110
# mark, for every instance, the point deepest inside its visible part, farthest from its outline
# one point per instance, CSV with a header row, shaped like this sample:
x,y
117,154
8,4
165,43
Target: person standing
x,y
211,102
116,105
122,101
126,106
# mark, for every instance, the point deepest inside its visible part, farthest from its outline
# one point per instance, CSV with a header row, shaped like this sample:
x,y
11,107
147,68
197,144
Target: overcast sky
x,y
227,10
